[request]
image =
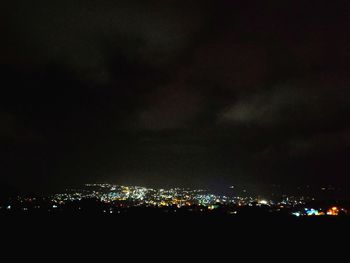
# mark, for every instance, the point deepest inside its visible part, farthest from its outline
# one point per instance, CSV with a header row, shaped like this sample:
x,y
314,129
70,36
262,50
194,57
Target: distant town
x,y
110,199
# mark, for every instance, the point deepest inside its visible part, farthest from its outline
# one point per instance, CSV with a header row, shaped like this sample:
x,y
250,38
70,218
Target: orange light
x,y
334,211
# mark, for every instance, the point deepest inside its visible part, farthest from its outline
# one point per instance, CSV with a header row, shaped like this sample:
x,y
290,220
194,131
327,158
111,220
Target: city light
x,y
334,211
118,199
263,202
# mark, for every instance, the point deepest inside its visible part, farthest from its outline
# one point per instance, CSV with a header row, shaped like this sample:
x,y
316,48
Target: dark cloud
x,y
317,102
171,107
323,143
174,92
81,36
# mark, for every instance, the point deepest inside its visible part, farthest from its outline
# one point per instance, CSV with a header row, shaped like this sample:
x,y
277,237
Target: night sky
x,y
174,93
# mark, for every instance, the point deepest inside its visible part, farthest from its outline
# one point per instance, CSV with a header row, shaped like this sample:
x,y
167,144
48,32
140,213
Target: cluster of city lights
x,y
140,196
144,196
331,211
113,198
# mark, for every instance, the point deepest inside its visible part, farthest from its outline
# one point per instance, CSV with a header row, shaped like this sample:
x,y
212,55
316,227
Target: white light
x,y
263,202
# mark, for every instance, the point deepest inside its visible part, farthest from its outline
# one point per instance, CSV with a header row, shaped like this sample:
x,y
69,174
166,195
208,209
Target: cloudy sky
x,y
174,92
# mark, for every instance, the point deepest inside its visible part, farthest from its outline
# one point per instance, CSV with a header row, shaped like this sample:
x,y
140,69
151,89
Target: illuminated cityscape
x,y
109,199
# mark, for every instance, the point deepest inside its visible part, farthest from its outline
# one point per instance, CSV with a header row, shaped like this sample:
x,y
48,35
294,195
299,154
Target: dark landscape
x,y
220,113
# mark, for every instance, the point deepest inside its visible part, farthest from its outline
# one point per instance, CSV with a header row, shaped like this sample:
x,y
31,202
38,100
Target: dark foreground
x,y
170,222
174,234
